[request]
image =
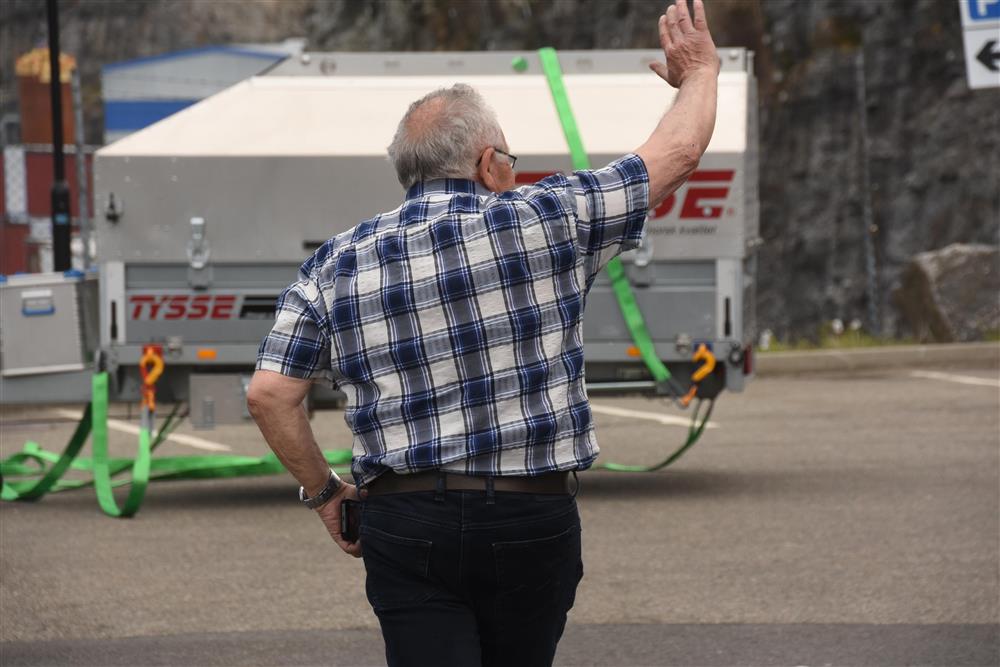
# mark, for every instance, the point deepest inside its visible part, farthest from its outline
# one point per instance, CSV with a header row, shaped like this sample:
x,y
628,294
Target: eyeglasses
x,y
511,159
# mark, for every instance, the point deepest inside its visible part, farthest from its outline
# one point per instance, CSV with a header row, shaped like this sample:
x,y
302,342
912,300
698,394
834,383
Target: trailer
x,y
204,217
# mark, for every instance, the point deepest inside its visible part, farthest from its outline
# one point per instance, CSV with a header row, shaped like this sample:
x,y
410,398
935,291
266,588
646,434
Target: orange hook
x,y
705,355
150,369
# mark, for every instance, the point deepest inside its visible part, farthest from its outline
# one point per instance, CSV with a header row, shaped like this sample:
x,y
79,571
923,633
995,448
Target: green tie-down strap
x,y
102,467
38,471
627,304
18,464
634,320
694,432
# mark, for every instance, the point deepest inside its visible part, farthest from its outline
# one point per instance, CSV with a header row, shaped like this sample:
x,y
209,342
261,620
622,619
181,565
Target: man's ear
x,y
485,170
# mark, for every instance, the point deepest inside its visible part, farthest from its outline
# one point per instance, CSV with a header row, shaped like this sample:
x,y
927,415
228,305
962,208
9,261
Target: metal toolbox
x,y
43,327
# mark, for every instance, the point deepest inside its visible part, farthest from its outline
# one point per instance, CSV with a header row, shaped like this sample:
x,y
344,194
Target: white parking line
x,y
179,438
666,420
958,379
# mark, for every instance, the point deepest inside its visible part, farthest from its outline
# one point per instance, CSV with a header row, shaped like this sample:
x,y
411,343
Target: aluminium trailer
x,y
204,217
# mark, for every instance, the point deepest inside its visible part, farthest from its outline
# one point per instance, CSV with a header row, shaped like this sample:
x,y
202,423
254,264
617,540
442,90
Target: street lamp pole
x,y
60,190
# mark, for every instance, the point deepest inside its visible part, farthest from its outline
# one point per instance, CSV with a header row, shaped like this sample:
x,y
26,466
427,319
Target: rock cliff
x,y
826,69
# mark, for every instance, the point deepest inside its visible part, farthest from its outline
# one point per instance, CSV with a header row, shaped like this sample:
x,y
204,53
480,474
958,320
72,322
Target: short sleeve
x,y
298,345
611,209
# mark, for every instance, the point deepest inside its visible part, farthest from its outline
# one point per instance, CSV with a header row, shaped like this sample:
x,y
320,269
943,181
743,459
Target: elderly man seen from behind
x,y
454,325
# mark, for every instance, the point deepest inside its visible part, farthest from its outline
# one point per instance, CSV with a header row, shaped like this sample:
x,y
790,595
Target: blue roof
x,y
135,114
188,53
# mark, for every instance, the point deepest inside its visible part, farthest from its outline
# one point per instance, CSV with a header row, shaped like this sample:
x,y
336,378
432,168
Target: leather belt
x,y
390,482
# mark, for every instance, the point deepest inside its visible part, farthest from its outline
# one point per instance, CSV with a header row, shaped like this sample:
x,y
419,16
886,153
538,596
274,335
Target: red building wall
x,y
39,172
13,248
17,252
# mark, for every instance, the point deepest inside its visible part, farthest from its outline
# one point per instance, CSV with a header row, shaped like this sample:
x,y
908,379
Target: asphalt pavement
x,y
840,519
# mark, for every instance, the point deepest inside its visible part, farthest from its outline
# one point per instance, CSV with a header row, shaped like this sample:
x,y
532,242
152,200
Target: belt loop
x,y
440,487
491,498
576,487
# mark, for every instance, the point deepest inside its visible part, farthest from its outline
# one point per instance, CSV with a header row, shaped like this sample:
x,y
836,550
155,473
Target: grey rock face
x,y
933,154
933,146
952,294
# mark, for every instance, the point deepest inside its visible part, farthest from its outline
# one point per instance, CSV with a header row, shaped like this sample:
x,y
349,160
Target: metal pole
x,y
81,169
60,191
874,315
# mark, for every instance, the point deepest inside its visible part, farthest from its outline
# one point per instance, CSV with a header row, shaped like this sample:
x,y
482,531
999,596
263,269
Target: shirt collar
x,y
448,186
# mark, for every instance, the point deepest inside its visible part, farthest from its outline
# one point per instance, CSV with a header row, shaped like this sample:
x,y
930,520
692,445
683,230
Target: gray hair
x,y
442,135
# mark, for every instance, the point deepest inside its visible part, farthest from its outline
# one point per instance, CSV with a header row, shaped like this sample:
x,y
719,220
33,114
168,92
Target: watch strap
x,y
332,485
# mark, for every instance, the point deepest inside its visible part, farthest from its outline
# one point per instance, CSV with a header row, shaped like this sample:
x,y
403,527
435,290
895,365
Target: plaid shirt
x,y
453,323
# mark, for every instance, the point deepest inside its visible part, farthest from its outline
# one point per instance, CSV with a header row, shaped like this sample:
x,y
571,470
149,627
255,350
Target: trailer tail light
x,y
748,360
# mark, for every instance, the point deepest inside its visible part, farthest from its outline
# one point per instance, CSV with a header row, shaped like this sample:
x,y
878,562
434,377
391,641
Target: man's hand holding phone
x,y
333,515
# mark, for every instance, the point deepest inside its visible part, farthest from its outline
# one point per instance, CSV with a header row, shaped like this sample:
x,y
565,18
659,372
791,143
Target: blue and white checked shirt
x,y
453,323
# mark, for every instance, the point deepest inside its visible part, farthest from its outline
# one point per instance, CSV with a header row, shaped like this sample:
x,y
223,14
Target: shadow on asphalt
x,y
271,492
224,494
598,485
662,484
706,645
187,495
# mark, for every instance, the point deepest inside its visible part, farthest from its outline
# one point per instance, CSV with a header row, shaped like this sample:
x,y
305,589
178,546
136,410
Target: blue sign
x,y
984,10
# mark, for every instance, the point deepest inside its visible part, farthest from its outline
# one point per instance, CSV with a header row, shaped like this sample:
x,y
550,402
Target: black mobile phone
x,y
350,520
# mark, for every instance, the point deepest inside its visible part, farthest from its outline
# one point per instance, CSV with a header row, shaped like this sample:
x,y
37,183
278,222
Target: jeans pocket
x,y
539,574
396,569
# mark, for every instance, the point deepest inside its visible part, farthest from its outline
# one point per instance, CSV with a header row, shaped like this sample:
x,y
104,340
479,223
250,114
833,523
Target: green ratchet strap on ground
x,y
694,432
619,281
15,465
102,469
45,469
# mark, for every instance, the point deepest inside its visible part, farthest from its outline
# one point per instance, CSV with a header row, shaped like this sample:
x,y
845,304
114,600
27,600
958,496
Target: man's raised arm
x,y
675,147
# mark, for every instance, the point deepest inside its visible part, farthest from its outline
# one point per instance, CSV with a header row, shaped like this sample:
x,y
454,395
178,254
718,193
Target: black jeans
x,y
457,580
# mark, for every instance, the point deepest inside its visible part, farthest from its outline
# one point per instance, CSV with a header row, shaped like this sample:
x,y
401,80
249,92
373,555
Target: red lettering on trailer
x,y
526,177
665,207
199,307
223,308
724,175
694,206
183,306
138,301
154,307
177,307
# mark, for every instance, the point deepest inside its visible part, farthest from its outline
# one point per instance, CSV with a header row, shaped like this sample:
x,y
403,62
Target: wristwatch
x,y
332,485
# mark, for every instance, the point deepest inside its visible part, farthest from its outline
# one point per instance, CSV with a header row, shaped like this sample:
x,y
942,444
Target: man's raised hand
x,y
687,44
